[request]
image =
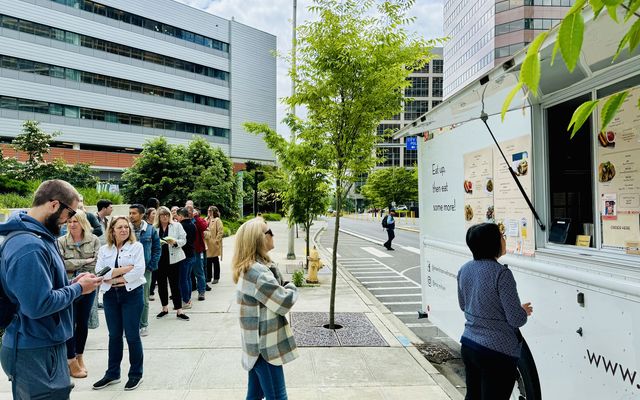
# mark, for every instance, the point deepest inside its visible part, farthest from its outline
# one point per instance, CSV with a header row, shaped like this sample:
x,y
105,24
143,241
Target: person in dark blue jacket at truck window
x,y
33,276
148,236
487,293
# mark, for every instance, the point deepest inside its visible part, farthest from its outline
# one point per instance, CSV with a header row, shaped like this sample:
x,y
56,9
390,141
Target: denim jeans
x,y
144,319
198,271
122,310
266,381
185,278
40,374
81,312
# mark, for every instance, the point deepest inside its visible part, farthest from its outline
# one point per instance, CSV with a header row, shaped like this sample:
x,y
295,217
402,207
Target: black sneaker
x,y
133,383
182,317
201,297
104,382
207,288
162,314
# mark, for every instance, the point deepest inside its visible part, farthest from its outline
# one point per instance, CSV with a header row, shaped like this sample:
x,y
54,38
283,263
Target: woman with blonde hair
x,y
79,248
123,300
263,302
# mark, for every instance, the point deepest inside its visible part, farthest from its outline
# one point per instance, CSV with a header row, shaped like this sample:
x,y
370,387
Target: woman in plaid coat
x,y
264,302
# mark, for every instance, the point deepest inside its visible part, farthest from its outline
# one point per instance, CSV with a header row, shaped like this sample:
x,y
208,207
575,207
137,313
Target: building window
x,y
436,90
23,65
435,103
437,66
423,70
510,50
410,158
419,87
146,23
386,131
389,156
116,48
414,109
43,107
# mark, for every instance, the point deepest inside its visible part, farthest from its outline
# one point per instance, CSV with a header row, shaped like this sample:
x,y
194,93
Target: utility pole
x,y
291,253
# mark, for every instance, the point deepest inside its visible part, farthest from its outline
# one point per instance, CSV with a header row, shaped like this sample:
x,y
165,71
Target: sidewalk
x,y
200,359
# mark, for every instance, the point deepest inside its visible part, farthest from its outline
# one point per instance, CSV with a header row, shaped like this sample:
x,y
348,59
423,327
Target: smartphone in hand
x,y
103,271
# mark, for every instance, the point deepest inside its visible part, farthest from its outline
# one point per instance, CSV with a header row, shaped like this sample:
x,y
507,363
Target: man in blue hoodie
x,y
33,276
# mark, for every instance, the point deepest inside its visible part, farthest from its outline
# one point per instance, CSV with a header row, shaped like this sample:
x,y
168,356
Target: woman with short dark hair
x,y
487,293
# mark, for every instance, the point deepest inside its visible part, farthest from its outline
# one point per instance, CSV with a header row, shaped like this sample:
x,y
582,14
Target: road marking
x,y
408,269
376,252
371,272
330,250
400,295
419,325
367,282
411,249
392,288
397,303
404,312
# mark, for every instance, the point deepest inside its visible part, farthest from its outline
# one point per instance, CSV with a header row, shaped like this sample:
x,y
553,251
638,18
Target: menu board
x,y
491,195
618,174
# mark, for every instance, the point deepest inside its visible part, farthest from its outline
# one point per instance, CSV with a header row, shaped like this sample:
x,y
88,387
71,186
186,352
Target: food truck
x,y
580,264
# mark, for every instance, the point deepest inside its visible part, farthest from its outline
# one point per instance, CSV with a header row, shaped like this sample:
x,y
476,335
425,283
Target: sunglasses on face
x,y
71,212
269,232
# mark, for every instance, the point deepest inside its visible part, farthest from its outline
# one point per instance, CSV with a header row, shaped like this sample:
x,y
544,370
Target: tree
x,y
161,171
79,174
387,185
305,194
354,62
35,142
569,42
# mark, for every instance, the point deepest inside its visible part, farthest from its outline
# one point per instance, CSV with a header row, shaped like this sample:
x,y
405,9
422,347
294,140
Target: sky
x,y
275,17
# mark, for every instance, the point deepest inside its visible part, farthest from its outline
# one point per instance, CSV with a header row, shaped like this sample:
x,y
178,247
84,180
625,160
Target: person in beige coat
x,y
79,249
213,240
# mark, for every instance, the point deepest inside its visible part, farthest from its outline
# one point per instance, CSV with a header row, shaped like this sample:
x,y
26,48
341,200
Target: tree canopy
x,y
387,185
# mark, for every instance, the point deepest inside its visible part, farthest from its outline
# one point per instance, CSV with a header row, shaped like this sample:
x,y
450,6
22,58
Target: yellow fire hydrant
x,y
314,265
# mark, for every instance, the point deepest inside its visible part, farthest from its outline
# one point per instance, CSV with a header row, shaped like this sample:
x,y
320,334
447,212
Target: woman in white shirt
x,y
123,301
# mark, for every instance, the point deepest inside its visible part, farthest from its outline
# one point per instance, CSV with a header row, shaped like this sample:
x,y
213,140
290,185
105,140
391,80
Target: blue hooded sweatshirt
x,y
34,277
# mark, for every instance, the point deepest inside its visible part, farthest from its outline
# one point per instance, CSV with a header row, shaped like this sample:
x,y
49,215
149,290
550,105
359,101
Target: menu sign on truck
x,y
491,195
618,174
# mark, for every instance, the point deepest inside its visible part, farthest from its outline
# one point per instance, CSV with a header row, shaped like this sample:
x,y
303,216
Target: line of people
x,y
49,283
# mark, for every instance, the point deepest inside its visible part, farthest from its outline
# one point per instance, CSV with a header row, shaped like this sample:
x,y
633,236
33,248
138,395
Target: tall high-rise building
x,y
485,33
111,74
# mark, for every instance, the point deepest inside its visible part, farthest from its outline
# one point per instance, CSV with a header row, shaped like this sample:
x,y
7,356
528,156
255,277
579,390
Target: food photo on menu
x,y
520,163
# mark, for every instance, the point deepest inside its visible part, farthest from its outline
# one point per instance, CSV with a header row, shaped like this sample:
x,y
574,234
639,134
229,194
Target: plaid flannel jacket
x,y
264,328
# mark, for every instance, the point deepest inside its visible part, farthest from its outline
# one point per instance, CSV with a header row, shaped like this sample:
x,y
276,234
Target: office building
x,y
111,74
485,33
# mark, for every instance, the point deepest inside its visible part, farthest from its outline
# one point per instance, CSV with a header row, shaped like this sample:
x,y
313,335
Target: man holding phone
x,y
34,279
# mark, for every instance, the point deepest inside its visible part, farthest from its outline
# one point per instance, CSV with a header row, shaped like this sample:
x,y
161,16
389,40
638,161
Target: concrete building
x,y
112,74
426,92
485,33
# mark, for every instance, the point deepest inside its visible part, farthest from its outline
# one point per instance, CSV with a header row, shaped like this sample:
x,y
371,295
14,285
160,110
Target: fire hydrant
x,y
314,265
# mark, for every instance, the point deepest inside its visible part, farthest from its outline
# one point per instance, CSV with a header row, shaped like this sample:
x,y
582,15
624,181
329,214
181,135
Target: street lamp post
x,y
291,253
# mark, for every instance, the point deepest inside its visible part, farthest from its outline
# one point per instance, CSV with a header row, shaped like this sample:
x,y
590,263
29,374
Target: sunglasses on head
x,y
269,232
71,212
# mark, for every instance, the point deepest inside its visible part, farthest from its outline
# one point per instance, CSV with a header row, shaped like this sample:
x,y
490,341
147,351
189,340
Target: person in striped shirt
x,y
267,338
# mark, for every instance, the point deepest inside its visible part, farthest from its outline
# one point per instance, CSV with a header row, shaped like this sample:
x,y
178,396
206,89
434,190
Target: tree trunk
x,y
334,256
307,227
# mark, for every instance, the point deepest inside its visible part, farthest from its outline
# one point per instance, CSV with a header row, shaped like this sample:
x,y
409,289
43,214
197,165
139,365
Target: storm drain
x,y
436,353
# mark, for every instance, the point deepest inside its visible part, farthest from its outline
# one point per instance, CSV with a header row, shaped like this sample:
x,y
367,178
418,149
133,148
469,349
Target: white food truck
x,y
582,271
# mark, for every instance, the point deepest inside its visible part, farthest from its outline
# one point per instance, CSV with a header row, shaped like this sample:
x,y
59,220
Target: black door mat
x,y
356,331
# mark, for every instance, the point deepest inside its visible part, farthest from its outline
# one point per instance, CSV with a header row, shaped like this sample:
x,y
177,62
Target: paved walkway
x,y
200,359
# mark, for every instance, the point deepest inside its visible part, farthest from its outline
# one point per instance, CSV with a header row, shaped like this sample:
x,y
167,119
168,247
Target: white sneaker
x,y
144,331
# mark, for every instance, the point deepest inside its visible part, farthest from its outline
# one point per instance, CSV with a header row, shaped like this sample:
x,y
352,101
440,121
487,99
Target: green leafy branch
x,y
569,42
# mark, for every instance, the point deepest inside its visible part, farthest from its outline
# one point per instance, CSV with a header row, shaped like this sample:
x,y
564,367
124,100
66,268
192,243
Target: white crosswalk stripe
x,y
376,252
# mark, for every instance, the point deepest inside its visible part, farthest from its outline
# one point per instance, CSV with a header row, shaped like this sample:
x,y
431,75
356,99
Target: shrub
x,y
271,217
91,196
8,185
14,200
298,277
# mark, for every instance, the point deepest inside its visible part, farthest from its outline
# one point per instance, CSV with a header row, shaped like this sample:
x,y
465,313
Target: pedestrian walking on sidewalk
x,y
264,302
79,249
35,283
389,223
123,300
491,342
